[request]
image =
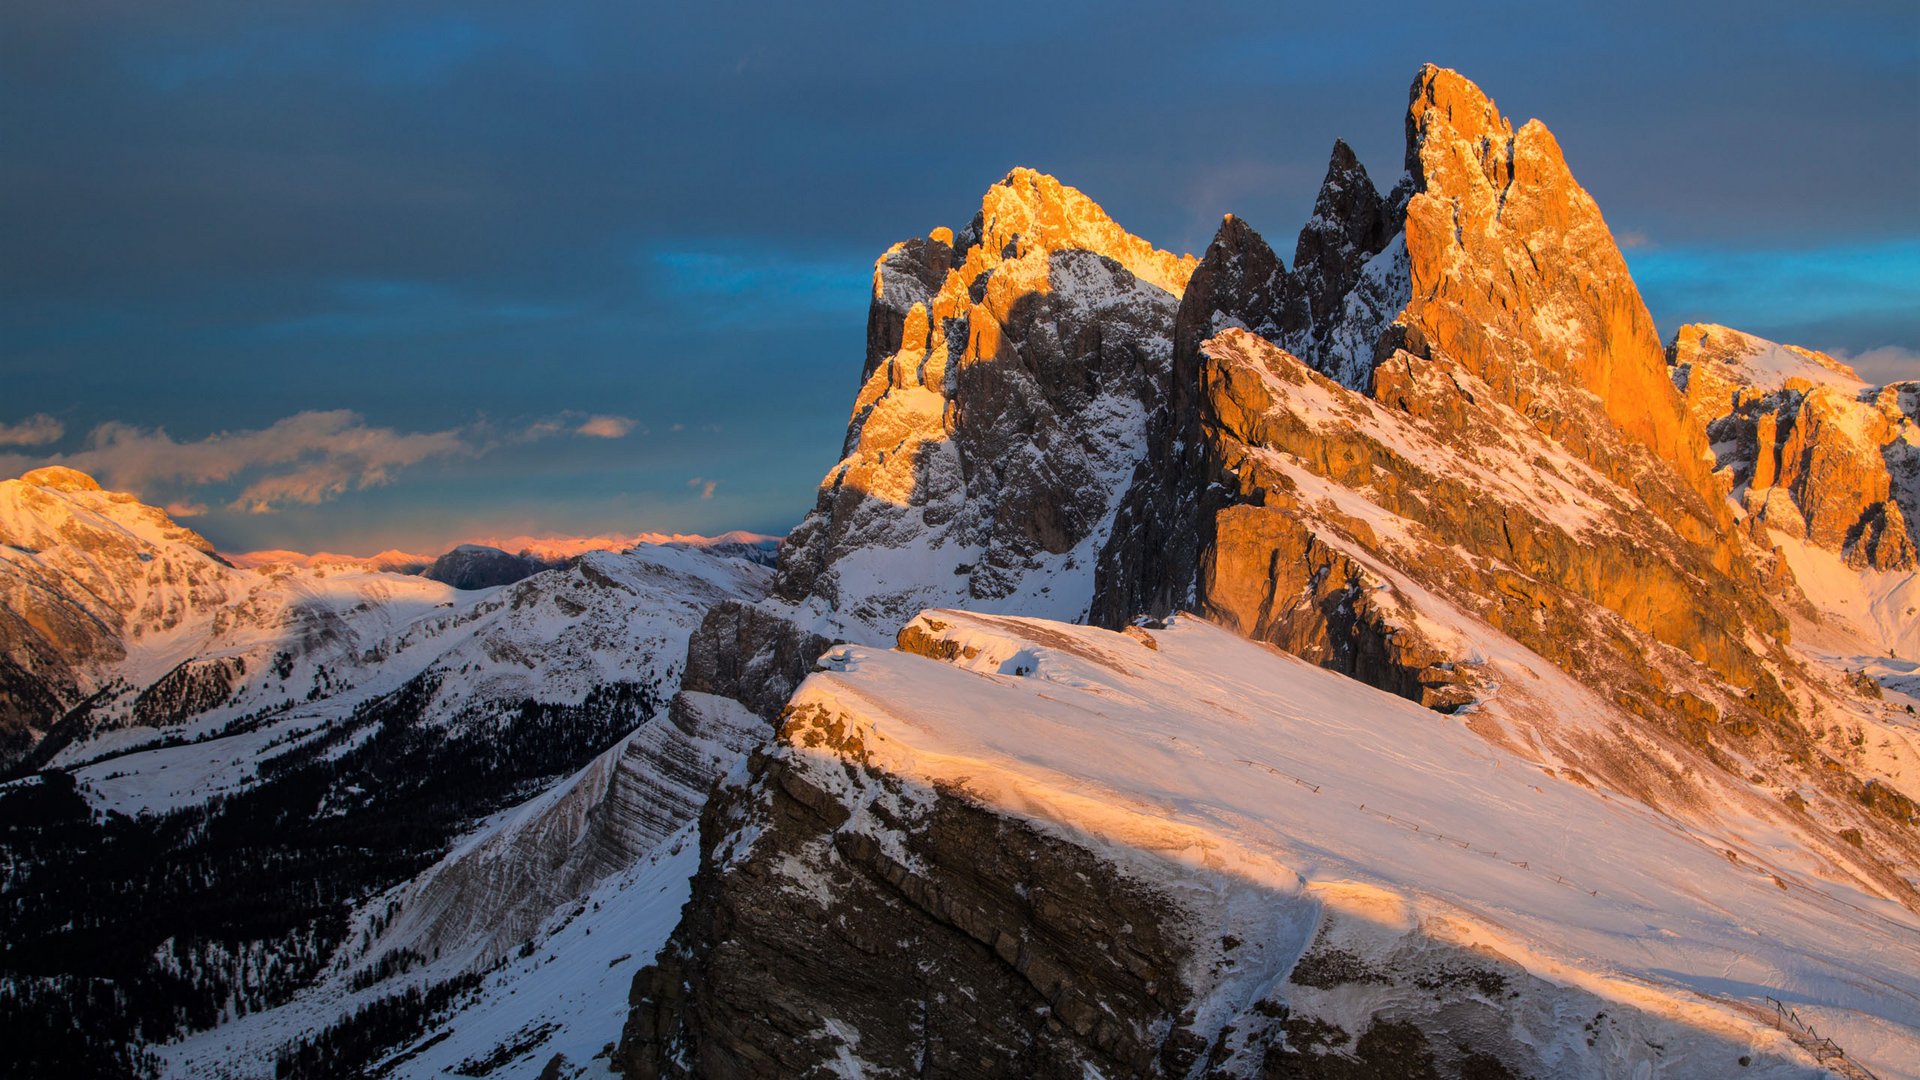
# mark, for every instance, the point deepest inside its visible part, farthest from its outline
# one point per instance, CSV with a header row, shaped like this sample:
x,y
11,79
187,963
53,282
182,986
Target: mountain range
x,y
1394,660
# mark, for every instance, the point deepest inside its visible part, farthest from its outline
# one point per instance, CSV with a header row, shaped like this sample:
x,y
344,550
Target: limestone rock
x,y
1516,278
1009,382
1812,450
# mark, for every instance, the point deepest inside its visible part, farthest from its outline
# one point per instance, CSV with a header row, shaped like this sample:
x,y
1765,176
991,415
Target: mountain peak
x,y
1515,275
1443,99
1029,210
60,478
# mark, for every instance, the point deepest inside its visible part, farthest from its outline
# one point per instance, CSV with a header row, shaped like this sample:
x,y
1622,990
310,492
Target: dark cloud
x,y
219,214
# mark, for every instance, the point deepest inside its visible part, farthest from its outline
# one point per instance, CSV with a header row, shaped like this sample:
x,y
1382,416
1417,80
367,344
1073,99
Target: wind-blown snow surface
x,y
1211,754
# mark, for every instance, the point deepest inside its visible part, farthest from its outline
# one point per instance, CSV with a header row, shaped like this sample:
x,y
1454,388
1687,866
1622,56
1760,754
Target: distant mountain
x,y
488,563
390,561
241,764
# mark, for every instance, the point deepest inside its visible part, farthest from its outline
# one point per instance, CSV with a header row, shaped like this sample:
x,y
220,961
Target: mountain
x,y
1003,407
392,561
1658,818
270,786
1810,450
483,564
120,624
476,566
1395,663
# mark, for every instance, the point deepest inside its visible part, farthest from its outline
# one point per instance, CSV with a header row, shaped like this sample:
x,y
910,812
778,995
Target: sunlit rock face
x,y
1010,374
84,573
1807,446
1482,310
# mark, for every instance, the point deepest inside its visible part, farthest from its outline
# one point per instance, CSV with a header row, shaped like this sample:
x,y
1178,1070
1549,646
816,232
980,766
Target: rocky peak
x,y
1717,367
1003,409
1445,100
1239,282
1351,223
1515,276
1029,210
1809,449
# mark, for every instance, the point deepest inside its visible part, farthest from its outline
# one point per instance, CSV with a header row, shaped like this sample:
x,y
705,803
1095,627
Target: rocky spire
x,y
1515,276
1350,225
1239,282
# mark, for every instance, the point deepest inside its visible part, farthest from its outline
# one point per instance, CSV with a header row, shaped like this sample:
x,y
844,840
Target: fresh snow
x,y
1218,756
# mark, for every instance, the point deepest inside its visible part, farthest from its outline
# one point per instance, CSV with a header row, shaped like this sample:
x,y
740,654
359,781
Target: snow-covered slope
x,y
518,900
1337,861
132,622
292,781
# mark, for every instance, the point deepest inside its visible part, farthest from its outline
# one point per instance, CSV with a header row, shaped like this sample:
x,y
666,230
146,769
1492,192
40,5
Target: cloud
x,y
181,508
305,458
36,430
301,460
703,486
605,427
1888,363
1634,240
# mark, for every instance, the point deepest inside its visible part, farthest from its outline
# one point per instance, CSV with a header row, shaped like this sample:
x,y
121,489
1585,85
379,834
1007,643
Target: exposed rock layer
x,y
1811,450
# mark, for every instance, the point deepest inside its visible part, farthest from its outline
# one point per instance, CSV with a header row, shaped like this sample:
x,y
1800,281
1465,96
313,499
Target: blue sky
x,y
490,268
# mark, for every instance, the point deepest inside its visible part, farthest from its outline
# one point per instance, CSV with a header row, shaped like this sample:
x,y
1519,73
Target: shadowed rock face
x,y
977,940
476,566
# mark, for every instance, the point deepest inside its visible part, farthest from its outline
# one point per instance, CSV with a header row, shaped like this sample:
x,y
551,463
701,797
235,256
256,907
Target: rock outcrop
x,y
1807,446
1012,847
1009,377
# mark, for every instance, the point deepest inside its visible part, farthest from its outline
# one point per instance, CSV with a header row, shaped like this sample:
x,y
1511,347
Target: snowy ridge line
x,y
1821,1047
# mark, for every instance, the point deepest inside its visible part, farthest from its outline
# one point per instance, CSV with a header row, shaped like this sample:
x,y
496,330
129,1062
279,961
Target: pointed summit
x,y
1350,225
1240,281
1515,276
1442,97
1030,210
